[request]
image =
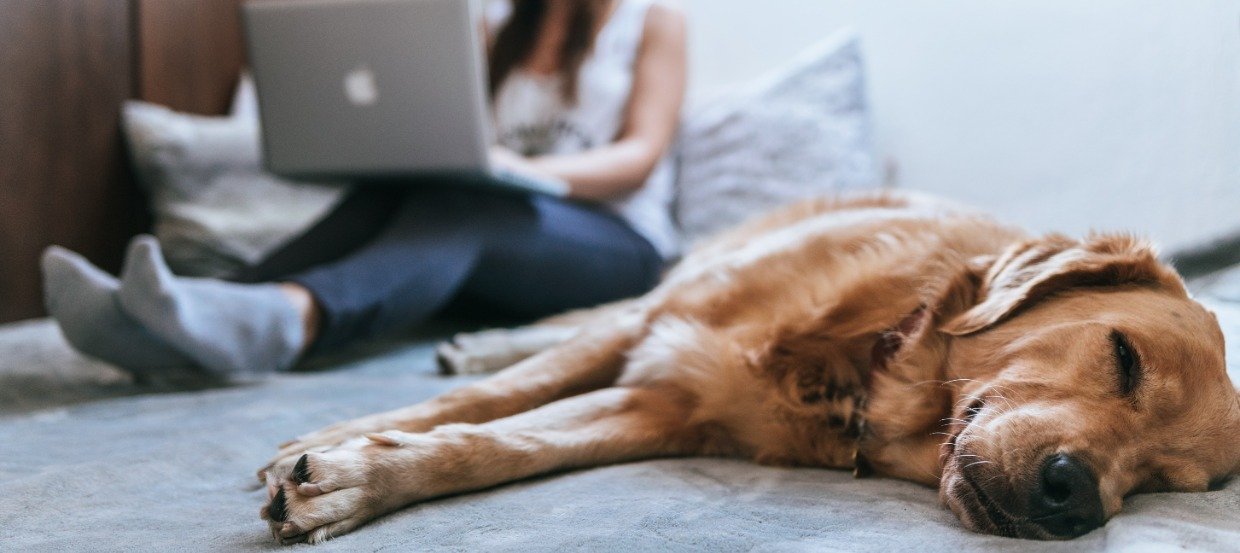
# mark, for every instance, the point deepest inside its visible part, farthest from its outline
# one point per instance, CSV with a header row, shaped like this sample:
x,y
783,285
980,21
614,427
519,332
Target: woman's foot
x,y
228,328
83,300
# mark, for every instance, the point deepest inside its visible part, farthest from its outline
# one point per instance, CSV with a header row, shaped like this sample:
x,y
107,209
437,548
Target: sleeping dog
x,y
1034,381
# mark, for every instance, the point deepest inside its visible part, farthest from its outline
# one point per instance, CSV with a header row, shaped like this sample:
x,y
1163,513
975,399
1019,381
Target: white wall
x,y
1058,114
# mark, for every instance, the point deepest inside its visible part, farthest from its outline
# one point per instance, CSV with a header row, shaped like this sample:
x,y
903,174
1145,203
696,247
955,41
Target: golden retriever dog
x,y
1035,382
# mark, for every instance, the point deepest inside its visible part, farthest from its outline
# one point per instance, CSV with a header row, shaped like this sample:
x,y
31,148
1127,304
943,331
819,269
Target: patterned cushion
x,y
215,209
803,130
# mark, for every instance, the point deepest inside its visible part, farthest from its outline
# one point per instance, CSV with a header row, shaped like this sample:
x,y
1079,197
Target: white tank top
x,y
531,117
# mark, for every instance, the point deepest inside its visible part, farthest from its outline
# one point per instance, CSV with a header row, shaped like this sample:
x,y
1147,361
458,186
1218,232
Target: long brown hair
x,y
515,41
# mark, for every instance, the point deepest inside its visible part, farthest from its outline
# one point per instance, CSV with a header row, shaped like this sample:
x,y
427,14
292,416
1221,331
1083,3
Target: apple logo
x,y
360,88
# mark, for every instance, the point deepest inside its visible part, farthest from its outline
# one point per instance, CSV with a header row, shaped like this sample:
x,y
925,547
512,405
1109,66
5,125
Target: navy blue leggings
x,y
387,258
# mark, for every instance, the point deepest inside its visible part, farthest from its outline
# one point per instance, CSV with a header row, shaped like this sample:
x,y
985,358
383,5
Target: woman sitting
x,y
585,91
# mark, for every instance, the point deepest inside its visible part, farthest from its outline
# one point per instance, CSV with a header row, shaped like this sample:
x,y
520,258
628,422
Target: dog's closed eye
x,y
1127,363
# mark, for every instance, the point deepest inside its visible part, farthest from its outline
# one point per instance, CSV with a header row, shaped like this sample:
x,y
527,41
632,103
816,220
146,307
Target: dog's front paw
x,y
325,494
322,440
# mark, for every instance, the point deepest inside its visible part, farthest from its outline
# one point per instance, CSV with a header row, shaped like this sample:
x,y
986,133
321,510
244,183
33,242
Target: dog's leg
x,y
491,350
590,361
321,495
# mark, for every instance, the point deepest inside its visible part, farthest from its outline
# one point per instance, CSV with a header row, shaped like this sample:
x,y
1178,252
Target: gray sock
x,y
226,327
83,300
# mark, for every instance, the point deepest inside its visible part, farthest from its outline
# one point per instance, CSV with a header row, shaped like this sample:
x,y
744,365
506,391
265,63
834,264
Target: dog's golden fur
x,y
897,335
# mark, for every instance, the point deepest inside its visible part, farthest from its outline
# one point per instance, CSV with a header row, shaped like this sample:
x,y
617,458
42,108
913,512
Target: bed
x,y
93,461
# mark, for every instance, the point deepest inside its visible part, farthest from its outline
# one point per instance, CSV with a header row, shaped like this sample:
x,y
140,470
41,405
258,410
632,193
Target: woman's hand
x,y
505,159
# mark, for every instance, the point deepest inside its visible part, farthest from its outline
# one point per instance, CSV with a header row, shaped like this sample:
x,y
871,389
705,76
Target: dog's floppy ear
x,y
1034,269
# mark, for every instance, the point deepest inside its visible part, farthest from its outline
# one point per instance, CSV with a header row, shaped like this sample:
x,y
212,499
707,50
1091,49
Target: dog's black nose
x,y
1065,500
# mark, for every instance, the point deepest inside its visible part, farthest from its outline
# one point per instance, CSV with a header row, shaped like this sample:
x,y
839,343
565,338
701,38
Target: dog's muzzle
x,y
1065,500
1060,501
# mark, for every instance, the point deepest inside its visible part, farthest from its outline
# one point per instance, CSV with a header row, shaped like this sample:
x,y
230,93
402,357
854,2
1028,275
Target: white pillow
x,y
801,131
215,209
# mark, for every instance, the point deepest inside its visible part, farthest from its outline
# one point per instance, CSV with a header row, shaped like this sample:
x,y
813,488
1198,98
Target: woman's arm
x,y
650,122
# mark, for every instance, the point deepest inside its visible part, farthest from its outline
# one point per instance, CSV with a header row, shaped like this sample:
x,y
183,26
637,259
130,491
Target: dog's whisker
x,y
999,389
940,382
1005,400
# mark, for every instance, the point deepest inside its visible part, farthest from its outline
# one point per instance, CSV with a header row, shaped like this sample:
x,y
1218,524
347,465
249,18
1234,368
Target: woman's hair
x,y
515,41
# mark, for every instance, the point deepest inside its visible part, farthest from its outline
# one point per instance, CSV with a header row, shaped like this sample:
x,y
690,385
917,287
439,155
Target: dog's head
x,y
1087,374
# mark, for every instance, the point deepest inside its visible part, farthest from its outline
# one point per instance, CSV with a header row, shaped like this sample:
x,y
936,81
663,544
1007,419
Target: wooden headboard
x,y
65,68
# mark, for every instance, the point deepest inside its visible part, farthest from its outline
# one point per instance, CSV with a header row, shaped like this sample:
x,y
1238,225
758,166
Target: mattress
x,y
90,460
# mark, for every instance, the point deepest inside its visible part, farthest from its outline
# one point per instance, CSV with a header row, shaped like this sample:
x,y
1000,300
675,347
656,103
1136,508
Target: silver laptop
x,y
374,89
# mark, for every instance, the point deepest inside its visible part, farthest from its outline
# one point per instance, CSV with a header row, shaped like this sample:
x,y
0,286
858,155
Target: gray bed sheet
x,y
90,461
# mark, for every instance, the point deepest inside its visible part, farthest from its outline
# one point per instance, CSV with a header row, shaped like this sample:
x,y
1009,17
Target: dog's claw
x,y
301,472
277,510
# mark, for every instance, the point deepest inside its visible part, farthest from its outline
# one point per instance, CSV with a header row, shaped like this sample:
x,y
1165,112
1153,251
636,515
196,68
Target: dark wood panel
x,y
66,67
190,53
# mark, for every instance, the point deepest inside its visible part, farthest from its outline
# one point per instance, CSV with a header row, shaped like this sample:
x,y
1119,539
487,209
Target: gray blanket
x,y
89,461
